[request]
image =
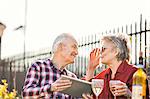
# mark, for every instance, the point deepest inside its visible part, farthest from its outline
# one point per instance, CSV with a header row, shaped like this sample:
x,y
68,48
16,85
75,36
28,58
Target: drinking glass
x,y
112,84
97,86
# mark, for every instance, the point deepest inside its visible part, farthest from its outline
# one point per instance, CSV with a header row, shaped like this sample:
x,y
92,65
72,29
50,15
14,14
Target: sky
x,y
45,19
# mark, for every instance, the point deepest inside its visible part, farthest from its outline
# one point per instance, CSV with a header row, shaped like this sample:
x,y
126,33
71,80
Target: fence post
x,y
140,30
127,29
145,43
135,43
131,38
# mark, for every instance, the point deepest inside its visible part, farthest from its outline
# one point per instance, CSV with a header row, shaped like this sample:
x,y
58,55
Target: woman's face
x,y
108,52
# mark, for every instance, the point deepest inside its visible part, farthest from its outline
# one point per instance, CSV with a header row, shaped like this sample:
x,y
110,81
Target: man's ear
x,y
60,46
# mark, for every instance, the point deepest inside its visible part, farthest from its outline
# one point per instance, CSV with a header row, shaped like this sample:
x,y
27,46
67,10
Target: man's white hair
x,y
60,39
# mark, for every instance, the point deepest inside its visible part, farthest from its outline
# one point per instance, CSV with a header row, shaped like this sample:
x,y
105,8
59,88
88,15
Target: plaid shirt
x,y
39,78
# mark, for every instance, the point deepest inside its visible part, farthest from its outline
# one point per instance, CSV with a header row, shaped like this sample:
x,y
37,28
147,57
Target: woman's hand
x,y
121,89
94,58
93,63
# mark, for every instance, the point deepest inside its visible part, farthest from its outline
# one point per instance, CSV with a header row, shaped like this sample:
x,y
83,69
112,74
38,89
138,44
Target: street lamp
x,y
2,28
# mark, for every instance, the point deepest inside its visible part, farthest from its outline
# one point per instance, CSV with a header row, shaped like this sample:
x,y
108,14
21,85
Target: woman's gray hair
x,y
121,42
60,39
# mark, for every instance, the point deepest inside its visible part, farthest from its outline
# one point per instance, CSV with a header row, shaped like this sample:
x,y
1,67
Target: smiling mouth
x,y
74,55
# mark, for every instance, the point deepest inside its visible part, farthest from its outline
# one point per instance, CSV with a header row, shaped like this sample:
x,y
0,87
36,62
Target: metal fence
x,y
139,34
14,68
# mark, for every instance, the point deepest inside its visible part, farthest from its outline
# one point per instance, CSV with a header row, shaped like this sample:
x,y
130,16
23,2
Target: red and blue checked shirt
x,y
39,78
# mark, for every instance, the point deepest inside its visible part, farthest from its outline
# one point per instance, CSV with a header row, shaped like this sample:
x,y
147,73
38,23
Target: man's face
x,y
69,50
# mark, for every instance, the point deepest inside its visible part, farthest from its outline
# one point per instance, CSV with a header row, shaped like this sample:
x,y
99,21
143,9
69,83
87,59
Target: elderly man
x,y
42,78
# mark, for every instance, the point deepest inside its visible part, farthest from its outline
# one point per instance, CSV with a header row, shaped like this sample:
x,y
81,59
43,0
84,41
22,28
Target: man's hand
x,y
87,96
60,85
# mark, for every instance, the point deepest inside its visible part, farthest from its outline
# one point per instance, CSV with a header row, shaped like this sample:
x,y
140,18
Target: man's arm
x,y
32,87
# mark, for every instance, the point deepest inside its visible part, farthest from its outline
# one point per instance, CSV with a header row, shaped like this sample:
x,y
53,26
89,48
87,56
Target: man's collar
x,y
55,67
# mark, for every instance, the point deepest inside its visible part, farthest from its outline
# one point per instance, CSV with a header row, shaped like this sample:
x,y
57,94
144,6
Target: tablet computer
x,y
78,87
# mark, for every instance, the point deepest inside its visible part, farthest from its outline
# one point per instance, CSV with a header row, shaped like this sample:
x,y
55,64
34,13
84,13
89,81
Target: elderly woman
x,y
115,54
